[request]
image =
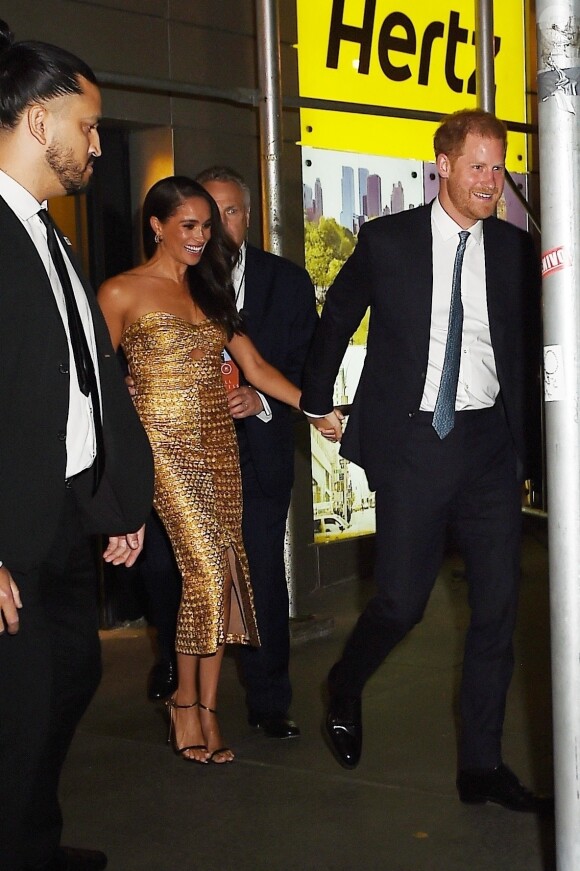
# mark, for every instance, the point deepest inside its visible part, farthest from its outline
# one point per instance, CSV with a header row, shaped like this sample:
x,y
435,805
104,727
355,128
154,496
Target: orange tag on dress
x,y
230,372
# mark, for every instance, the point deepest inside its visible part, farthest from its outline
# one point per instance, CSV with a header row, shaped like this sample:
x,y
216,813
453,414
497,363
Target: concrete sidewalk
x,y
288,806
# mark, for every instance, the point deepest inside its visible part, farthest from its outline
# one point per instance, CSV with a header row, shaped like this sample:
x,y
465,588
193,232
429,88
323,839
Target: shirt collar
x,y
448,228
21,201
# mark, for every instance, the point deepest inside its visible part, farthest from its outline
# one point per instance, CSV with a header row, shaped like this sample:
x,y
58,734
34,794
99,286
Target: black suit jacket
x,y
391,270
280,318
34,395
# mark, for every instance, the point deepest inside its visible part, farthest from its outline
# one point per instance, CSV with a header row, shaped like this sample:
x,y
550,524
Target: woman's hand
x,y
330,426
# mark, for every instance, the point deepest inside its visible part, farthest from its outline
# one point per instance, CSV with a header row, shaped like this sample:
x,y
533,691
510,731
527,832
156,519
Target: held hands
x,y
244,402
123,550
9,603
330,426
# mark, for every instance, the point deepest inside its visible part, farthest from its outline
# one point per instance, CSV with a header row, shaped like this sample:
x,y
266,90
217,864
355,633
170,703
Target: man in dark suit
x,y
278,302
438,424
73,456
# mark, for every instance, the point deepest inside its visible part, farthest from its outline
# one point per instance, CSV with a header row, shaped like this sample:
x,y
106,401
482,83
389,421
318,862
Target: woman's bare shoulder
x,y
121,287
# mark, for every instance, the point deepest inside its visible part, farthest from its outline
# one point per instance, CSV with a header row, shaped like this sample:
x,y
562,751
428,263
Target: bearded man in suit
x,y
438,424
73,456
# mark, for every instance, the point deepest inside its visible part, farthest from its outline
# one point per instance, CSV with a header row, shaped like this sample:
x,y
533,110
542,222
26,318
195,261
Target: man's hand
x,y
9,603
330,426
123,550
130,386
244,402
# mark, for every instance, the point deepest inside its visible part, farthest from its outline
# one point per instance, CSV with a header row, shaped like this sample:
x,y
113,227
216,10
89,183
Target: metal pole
x,y
270,108
169,87
484,55
558,25
270,103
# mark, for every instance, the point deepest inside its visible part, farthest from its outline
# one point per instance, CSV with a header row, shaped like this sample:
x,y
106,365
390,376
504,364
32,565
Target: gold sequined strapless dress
x,y
182,404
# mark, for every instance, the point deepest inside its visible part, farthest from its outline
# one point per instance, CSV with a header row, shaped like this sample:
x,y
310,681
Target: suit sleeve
x,y
302,326
346,303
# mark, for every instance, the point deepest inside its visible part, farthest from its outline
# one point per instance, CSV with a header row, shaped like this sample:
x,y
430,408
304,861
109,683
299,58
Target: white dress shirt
x,y
478,384
239,283
80,430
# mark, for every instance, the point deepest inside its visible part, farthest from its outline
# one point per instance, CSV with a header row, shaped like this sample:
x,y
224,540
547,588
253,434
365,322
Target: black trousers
x,y
467,481
161,580
265,668
50,671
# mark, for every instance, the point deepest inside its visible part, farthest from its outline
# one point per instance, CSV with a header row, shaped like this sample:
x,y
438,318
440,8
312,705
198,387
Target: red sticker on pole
x,y
554,260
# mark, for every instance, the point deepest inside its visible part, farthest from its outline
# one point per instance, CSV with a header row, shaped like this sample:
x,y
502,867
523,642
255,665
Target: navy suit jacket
x,y
391,270
280,318
34,396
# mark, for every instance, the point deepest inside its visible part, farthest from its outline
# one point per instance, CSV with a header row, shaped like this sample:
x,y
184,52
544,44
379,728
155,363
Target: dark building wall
x,y
209,42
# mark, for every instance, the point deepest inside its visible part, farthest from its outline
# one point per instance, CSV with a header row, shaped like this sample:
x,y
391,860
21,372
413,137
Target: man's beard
x,y
70,174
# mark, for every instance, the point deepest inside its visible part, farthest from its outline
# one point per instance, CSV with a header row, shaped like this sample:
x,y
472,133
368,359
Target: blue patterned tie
x,y
444,413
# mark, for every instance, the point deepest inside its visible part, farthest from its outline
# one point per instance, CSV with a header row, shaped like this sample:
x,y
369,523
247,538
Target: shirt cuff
x,y
317,416
266,415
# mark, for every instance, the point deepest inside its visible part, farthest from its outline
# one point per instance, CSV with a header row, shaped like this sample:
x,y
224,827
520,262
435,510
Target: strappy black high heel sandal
x,y
171,706
220,749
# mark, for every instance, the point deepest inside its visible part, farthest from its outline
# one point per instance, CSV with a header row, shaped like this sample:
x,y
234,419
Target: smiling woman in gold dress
x,y
172,316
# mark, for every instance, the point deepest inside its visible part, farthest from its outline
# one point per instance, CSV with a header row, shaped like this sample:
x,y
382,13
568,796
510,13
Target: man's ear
x,y
37,120
247,218
443,165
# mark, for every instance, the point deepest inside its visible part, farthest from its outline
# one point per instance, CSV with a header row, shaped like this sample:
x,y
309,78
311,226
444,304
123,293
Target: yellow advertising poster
x,y
405,55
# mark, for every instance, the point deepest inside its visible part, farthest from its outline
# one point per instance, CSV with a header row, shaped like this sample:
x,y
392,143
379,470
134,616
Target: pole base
x,y
309,627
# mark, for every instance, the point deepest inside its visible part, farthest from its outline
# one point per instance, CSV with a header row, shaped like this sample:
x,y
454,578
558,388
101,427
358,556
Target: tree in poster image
x,y
327,246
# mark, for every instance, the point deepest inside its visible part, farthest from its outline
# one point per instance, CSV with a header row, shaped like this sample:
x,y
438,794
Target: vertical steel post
x,y
270,106
558,26
484,55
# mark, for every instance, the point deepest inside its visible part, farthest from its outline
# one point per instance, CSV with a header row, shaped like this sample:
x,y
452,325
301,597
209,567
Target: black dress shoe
x,y
74,859
343,727
501,786
162,680
275,725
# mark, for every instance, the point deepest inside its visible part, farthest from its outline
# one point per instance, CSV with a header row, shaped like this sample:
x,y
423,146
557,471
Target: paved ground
x,y
287,806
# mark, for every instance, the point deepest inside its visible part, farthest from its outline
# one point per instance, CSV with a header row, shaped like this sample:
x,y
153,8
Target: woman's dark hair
x,y
33,72
210,282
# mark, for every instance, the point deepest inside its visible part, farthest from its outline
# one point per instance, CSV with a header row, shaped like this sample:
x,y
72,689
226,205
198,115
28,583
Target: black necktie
x,y
444,413
81,352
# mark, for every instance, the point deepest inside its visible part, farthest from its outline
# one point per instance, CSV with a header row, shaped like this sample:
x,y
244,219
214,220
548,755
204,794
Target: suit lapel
x,y
99,326
420,253
70,253
497,260
256,294
35,279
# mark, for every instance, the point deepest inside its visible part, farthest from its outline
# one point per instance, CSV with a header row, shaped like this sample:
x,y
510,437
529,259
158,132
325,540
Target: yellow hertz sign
x,y
405,54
